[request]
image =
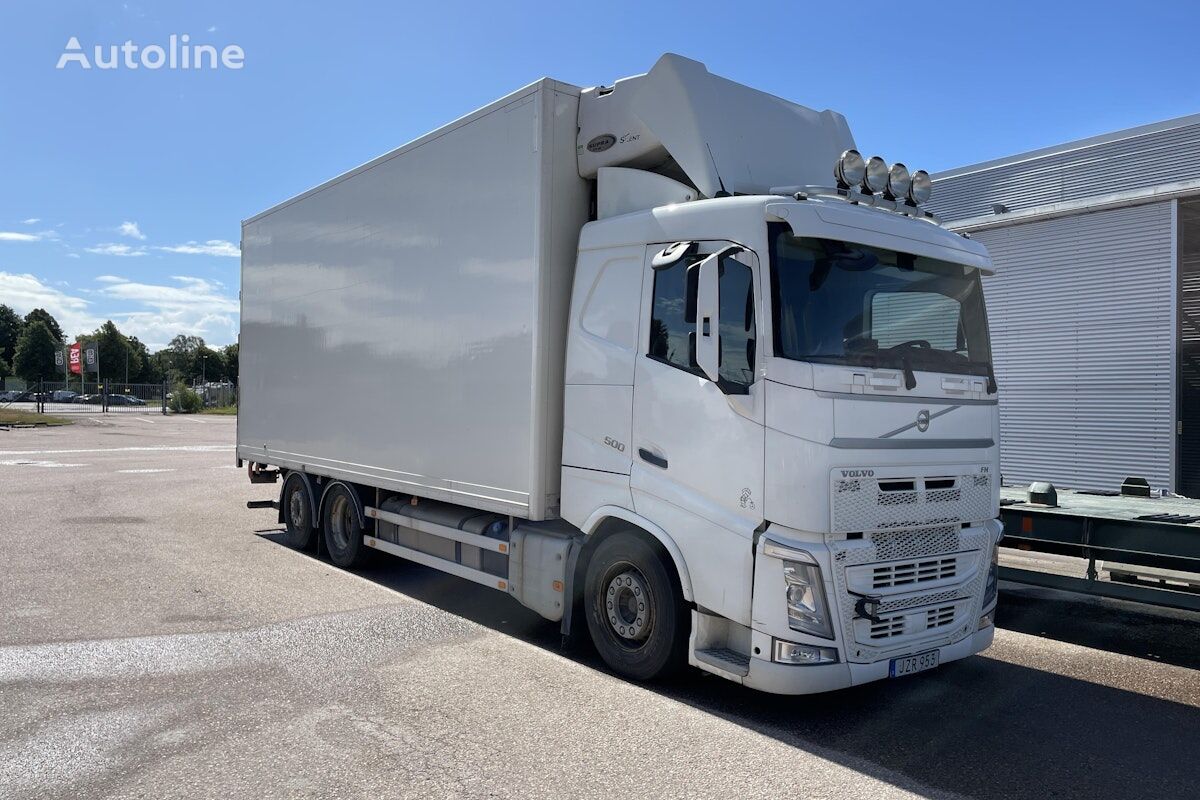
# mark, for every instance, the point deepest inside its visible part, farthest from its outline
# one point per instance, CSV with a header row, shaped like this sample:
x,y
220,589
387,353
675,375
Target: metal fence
x,y
88,397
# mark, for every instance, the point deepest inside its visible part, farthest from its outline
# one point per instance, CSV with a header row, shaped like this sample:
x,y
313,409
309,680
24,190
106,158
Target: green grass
x,y
225,411
12,416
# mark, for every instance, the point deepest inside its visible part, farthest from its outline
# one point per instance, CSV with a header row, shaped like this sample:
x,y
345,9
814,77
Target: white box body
x,y
404,325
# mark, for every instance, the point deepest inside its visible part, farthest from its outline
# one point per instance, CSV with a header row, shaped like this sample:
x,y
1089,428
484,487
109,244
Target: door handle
x,y
656,460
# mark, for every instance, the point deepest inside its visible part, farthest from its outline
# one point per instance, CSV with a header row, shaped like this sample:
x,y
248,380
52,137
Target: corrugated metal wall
x,y
1080,312
1135,162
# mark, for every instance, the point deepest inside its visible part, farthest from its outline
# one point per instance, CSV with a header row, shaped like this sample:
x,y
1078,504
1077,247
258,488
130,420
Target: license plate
x,y
909,665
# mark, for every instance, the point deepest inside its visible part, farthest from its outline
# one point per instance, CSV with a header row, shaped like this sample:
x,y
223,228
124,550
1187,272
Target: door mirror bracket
x,y
708,323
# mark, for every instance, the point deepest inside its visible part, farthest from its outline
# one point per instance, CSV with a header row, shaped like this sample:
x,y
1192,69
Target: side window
x,y
737,342
673,316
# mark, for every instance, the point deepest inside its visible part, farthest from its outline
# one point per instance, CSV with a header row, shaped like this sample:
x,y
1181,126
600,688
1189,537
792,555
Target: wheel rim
x,y
296,509
627,604
339,522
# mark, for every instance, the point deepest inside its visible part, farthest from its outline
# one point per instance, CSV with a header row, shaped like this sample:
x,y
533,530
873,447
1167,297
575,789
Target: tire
x,y
342,531
296,505
643,634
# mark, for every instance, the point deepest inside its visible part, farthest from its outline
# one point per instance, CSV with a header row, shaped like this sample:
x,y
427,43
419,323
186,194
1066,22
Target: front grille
x,y
900,624
888,576
927,580
939,617
888,628
879,503
914,543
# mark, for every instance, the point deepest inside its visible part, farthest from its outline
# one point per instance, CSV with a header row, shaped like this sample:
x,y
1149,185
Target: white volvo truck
x,y
666,359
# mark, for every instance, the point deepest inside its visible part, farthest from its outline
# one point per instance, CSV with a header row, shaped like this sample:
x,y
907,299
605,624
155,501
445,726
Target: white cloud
x,y
212,28
196,307
13,236
213,247
31,221
131,230
25,292
115,249
194,292
72,255
152,312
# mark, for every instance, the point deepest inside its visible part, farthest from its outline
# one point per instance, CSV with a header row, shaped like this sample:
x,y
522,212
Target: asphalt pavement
x,y
156,640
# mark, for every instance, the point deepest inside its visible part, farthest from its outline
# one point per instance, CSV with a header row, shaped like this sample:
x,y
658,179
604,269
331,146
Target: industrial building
x,y
1095,305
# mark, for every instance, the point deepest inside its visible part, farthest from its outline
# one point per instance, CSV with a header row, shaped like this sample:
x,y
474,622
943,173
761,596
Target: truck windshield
x,y
841,303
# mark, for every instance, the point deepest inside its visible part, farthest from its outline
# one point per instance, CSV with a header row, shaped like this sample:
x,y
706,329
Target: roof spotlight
x,y
898,181
921,188
850,169
876,177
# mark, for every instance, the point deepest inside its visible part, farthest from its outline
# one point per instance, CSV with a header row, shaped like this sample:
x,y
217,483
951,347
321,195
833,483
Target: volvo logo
x,y
923,420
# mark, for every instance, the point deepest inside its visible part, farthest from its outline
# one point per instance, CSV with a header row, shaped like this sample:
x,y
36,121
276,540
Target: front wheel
x,y
342,530
635,610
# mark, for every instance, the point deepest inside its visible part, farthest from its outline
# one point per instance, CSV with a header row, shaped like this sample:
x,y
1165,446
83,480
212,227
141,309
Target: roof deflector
x,y
718,132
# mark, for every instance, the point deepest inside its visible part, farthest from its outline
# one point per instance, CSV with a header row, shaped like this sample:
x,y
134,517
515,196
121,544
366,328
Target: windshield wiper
x,y
910,377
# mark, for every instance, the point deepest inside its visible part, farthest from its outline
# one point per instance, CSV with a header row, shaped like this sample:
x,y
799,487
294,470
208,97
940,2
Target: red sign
x,y
74,360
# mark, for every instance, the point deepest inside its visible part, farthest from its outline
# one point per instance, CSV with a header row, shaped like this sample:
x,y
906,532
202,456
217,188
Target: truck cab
x,y
793,395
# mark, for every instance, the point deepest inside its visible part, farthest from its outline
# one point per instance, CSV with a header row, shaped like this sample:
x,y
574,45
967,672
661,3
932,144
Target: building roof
x,y
1140,164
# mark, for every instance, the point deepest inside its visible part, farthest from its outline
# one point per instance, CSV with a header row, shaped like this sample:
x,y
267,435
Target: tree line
x,y
28,345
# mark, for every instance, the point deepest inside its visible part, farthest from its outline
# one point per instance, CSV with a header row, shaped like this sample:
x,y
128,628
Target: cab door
x,y
698,440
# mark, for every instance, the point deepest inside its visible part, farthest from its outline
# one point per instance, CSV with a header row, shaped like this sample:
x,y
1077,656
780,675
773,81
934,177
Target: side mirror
x,y
708,323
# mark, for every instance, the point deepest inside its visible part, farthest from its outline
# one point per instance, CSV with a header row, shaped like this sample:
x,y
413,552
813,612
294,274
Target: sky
x,y
122,190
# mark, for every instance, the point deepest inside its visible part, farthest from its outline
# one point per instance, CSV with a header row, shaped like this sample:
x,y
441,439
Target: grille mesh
x,y
865,504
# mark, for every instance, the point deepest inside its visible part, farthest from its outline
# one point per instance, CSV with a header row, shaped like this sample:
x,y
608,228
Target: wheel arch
x,y
355,497
607,520
307,481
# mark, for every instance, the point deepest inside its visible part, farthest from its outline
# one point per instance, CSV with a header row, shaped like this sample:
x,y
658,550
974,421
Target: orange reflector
x,y
503,548
556,586
1026,524
501,585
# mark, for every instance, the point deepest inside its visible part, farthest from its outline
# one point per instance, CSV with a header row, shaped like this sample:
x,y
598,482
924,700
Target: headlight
x,y
898,181
807,610
989,588
850,169
921,188
876,178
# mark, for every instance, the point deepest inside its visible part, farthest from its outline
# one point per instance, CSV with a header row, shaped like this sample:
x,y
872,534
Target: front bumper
x,y
918,611
776,678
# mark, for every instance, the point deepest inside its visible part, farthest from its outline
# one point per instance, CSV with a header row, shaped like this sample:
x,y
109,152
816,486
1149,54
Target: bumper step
x,y
725,659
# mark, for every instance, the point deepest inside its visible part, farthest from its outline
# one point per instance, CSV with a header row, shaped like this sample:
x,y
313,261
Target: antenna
x,y
721,193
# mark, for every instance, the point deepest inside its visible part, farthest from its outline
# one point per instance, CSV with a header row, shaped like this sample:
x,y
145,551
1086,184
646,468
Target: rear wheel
x,y
342,530
635,610
297,513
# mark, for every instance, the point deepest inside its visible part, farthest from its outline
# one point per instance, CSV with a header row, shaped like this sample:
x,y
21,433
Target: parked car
x,y
125,400
89,399
63,396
